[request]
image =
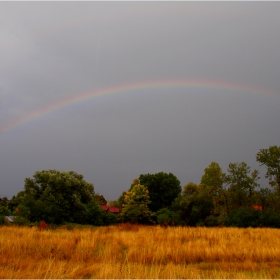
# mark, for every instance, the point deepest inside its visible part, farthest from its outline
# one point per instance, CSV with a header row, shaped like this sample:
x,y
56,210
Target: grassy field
x,y
126,251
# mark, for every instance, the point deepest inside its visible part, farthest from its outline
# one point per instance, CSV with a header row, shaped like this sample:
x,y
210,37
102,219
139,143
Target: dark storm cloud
x,y
51,51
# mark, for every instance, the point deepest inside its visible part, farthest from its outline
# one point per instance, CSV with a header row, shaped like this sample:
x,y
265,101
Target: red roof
x,y
258,207
105,207
111,209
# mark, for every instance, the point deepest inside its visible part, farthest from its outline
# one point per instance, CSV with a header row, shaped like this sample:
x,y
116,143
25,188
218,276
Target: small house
x,y
111,209
9,219
258,207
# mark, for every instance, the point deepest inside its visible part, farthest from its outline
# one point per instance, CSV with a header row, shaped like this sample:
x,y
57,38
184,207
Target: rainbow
x,y
205,84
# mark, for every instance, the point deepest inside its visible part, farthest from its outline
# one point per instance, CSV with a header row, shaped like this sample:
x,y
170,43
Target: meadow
x,y
133,251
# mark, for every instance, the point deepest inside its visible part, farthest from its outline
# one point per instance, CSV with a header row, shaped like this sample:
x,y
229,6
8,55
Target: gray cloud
x,y
51,51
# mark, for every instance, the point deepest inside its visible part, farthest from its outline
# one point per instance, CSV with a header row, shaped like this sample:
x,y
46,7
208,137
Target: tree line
x,y
234,198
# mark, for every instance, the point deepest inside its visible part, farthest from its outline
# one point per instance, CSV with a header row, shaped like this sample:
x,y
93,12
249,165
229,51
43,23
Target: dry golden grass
x,y
127,251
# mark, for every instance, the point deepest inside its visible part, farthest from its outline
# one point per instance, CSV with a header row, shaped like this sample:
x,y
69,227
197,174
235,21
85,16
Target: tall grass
x,y
126,251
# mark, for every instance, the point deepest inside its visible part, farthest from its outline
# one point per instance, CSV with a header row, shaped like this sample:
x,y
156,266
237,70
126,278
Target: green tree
x,y
168,216
135,207
214,181
242,184
163,189
213,177
14,202
4,201
189,189
4,209
196,204
56,197
265,198
271,159
134,183
94,213
120,201
100,199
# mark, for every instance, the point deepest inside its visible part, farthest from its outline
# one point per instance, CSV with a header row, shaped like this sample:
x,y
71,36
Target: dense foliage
x,y
163,189
58,197
232,198
135,207
270,158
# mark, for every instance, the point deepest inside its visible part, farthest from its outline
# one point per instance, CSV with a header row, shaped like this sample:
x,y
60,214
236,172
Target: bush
x,y
269,219
213,221
21,221
109,218
2,220
169,216
94,214
200,223
196,208
243,217
163,215
248,217
4,211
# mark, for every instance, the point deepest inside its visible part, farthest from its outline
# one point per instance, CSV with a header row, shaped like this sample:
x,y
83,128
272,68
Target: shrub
x,y
243,217
214,221
163,215
4,211
109,218
2,220
169,216
248,217
21,221
269,219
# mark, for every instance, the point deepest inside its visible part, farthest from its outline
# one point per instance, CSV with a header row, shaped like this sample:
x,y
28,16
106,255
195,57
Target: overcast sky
x,y
53,51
